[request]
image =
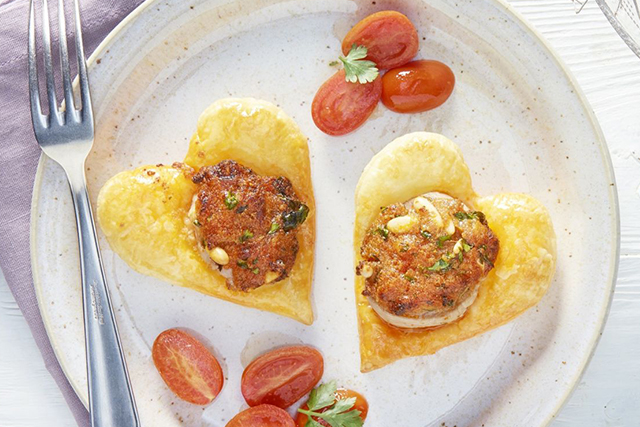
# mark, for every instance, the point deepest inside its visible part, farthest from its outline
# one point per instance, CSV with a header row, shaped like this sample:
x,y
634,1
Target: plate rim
x,y
586,106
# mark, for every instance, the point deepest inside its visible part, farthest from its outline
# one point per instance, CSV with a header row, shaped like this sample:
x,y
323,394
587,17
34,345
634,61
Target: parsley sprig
x,y
338,412
356,68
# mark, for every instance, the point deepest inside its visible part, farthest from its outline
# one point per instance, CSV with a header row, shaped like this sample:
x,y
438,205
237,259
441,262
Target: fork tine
x,y
48,64
64,65
34,91
85,94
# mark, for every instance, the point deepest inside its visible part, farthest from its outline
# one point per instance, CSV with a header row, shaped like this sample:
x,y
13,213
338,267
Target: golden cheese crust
x,y
420,163
144,213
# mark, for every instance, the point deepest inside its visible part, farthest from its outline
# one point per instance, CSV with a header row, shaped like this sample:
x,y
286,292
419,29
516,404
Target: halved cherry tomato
x,y
281,377
417,86
340,107
342,393
389,36
262,416
187,367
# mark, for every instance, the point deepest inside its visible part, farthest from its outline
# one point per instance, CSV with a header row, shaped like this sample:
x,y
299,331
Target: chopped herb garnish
x,y
447,302
242,263
383,231
356,68
440,265
255,270
230,200
443,239
404,247
466,246
197,223
333,63
291,220
425,234
460,257
384,208
484,259
409,278
246,235
274,227
337,413
462,215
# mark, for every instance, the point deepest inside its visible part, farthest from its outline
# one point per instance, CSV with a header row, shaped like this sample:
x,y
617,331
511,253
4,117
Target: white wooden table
x,y
609,392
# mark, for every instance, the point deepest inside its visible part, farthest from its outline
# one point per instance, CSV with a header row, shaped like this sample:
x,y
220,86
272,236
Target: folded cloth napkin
x,y
19,155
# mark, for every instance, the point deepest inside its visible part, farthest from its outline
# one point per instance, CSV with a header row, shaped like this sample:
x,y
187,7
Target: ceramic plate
x,y
517,115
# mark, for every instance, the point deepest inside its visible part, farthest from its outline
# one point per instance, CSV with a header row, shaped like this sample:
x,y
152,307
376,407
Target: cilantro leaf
x,y
337,414
322,396
356,68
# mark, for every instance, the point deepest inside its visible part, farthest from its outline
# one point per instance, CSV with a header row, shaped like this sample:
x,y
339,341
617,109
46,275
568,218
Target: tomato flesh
x,y
187,367
361,405
389,36
262,416
340,107
417,86
281,377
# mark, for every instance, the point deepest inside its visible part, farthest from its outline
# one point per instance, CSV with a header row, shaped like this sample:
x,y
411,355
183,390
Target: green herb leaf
x,y
246,235
333,63
440,265
312,423
466,246
425,234
291,220
462,215
322,396
356,68
383,231
337,414
197,223
255,270
230,200
242,263
274,227
443,239
409,278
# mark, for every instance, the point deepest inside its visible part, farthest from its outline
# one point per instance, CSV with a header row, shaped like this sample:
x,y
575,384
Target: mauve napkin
x,y
19,157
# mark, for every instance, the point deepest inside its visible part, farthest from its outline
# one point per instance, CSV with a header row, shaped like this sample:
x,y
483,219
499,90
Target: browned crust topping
x,y
420,271
252,218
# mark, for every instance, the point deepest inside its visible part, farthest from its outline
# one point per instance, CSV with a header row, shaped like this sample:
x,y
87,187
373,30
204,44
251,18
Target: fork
x,y
66,136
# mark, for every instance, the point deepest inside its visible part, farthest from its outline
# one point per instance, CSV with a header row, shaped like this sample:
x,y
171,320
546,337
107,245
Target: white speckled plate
x,y
522,125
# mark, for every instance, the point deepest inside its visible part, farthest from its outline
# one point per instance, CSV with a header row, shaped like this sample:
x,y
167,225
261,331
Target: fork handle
x,y
111,401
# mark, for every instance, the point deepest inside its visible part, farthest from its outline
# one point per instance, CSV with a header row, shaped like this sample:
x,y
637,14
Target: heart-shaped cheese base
x,y
143,213
420,163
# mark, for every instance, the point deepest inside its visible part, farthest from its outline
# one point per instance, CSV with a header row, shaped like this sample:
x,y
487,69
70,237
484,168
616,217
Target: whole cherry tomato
x,y
282,376
187,367
417,86
342,393
340,107
389,36
262,416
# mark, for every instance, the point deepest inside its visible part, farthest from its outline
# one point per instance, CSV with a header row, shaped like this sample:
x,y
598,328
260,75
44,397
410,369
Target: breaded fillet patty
x,y
246,223
423,260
